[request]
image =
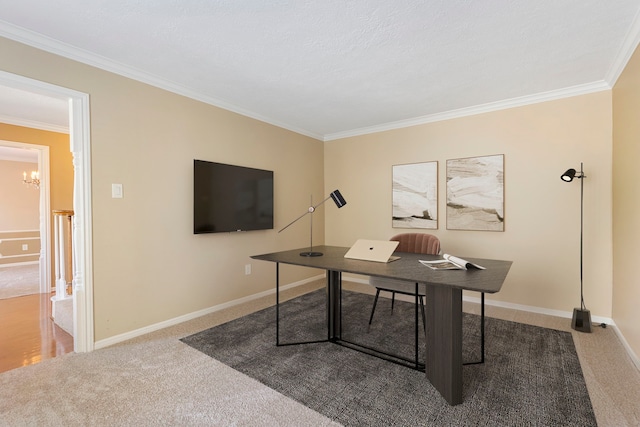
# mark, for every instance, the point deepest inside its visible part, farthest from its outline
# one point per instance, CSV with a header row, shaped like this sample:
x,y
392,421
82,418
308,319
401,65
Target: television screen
x,y
231,198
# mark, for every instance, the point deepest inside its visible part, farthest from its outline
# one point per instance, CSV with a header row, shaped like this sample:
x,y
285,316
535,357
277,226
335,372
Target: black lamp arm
x,y
311,209
335,195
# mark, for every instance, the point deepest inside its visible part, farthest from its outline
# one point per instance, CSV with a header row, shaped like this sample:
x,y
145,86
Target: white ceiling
x,y
334,68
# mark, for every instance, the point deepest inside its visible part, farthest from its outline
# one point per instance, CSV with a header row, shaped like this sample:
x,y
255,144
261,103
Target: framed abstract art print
x,y
475,193
415,195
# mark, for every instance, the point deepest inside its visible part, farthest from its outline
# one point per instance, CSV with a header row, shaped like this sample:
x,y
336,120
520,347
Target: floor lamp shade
x,y
581,320
569,175
338,199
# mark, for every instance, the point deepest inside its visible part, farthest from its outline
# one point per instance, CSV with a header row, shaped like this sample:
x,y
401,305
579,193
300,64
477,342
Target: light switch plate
x,y
116,191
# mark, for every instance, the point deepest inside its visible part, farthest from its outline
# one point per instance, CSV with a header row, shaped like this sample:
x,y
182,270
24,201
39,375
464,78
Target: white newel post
x,y
63,252
62,301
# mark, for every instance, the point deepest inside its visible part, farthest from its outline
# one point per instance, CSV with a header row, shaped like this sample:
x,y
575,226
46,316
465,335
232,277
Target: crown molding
x,y
478,109
631,42
62,49
59,48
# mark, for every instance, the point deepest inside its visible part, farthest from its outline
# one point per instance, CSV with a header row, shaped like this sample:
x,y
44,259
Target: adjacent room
x,y
209,165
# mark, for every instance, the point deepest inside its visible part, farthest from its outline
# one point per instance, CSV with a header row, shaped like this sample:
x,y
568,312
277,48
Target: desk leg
x,y
277,303
334,321
444,341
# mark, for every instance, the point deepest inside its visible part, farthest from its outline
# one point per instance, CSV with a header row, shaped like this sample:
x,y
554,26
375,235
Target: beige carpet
x,y
156,380
19,280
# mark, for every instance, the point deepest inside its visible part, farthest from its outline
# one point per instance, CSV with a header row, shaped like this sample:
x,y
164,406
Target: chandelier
x,y
35,179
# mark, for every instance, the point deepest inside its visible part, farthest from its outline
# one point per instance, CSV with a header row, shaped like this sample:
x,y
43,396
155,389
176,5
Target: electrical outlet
x,y
25,247
247,269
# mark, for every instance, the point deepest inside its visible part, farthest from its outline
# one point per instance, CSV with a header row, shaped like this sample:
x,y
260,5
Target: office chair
x,y
418,243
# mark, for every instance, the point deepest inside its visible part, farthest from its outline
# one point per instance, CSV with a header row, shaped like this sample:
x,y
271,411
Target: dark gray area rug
x,y
531,375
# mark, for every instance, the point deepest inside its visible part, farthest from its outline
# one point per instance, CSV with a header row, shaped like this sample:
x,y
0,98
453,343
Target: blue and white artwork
x,y
475,193
415,195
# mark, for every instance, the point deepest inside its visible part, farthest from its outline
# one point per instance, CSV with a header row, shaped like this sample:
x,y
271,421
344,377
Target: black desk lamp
x,y
581,316
339,201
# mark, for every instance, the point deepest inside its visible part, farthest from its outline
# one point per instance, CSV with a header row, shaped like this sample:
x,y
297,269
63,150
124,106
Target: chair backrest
x,y
417,243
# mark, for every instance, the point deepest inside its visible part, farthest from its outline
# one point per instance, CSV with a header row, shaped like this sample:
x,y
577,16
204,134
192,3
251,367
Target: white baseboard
x,y
630,352
538,310
180,319
531,309
527,308
16,264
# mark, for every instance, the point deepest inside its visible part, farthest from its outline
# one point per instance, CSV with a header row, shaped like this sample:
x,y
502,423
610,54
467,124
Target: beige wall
x,y
19,204
626,202
19,214
542,213
148,265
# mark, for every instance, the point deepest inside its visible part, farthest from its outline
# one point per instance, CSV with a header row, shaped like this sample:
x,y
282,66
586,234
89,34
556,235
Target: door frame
x,y
80,147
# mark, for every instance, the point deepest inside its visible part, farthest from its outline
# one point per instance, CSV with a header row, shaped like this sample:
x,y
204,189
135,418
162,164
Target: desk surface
x,y
406,268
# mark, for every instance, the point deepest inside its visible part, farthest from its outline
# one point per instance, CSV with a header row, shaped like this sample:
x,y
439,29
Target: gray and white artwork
x,y
475,193
415,195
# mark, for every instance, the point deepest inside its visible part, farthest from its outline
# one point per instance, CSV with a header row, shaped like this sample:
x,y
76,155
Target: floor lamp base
x,y
581,320
310,253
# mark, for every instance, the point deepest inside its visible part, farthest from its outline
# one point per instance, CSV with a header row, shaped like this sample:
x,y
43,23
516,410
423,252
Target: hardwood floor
x,y
28,335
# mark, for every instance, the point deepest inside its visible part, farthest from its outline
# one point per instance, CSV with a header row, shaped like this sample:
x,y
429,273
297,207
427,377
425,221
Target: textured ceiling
x,y
334,68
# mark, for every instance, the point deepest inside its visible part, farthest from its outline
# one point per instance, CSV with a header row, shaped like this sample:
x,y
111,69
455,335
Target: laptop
x,y
373,250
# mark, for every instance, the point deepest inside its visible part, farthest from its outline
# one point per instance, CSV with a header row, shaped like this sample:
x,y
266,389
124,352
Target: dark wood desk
x,y
443,365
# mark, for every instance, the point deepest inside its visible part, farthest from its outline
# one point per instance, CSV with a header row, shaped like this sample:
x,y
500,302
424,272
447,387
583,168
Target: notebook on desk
x,y
373,250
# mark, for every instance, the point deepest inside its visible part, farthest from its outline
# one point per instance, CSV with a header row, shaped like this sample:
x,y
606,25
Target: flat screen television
x,y
228,198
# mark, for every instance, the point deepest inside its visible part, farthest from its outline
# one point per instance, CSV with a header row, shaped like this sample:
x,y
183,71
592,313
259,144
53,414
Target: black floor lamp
x,y
581,316
338,200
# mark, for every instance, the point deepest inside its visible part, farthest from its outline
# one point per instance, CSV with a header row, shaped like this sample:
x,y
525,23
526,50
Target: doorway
x,y
79,132
39,155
